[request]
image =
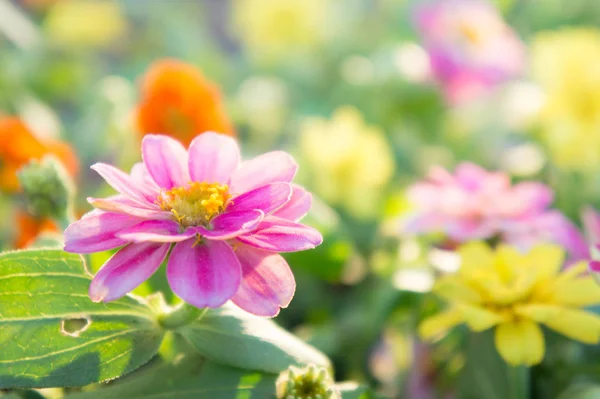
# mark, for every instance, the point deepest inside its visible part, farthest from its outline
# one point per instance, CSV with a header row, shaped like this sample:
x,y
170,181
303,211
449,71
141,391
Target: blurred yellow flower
x,y
348,162
515,292
270,28
85,23
566,64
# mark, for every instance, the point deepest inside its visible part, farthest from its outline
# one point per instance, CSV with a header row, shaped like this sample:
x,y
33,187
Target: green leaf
x,y
53,335
190,377
581,391
233,337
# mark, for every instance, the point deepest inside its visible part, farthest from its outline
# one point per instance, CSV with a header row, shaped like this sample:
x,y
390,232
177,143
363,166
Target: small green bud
x,y
311,382
48,189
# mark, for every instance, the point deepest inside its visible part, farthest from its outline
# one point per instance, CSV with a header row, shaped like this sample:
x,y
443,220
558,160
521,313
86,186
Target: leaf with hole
x,y
53,335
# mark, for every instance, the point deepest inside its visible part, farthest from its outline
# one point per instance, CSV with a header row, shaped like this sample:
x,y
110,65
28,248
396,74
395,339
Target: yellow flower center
x,y
470,33
196,203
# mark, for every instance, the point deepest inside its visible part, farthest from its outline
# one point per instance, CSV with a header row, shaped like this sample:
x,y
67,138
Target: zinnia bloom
x,y
565,64
349,161
471,48
18,146
85,24
271,30
515,292
473,203
224,223
180,102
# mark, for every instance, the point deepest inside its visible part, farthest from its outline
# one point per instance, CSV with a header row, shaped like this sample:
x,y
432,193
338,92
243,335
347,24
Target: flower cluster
x,y
307,383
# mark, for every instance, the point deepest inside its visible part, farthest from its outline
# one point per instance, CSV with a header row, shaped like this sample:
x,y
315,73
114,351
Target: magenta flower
x,y
224,222
470,47
585,245
476,204
591,223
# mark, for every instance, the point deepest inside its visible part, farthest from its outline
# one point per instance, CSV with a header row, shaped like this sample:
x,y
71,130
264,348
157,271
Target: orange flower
x,y
29,227
18,146
179,101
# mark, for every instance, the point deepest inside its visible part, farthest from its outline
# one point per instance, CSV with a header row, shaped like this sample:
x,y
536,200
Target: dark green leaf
x,y
191,377
233,337
53,335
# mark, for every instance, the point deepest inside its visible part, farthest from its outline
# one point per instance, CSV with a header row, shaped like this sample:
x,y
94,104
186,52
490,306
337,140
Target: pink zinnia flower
x,y
476,204
224,222
470,47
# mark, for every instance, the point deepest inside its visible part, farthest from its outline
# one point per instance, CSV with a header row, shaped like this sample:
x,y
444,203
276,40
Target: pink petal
x,y
272,167
126,185
119,204
267,198
591,223
232,224
551,226
298,205
534,197
267,282
470,175
127,269
166,160
204,275
140,174
595,266
213,157
567,234
280,235
155,231
96,230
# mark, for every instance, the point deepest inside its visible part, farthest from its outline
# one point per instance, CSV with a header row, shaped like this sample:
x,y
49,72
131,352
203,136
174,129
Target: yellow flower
x,y
348,162
566,64
83,23
515,293
270,29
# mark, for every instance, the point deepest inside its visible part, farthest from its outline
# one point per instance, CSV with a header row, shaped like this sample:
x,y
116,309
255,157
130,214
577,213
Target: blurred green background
x,y
346,87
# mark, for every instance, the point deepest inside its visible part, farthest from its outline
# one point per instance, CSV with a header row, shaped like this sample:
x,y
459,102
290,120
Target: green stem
x,y
518,379
180,316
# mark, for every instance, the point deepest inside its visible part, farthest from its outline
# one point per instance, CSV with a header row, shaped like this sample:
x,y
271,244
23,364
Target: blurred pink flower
x,y
555,227
223,221
591,239
476,204
471,48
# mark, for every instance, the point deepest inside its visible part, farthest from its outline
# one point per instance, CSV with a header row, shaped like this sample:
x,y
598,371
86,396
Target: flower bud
x,y
48,189
311,382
